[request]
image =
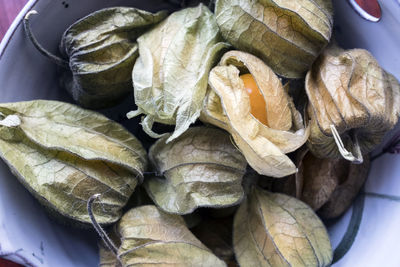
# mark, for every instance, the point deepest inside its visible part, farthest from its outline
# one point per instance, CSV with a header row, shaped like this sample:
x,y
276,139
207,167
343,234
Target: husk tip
x,y
30,13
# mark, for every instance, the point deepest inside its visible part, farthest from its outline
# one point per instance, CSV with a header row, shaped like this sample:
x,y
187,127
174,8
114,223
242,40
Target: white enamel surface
x,y
376,243
28,233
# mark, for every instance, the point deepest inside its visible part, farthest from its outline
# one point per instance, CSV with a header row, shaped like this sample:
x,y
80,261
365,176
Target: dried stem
x,y
107,240
57,60
358,159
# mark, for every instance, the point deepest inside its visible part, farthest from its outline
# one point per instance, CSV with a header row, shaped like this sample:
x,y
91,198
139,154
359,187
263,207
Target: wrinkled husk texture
x,y
171,73
272,229
287,35
150,237
328,186
64,154
227,105
348,89
101,49
201,168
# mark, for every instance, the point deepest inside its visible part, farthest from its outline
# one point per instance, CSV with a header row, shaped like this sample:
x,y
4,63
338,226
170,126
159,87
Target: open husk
x,y
353,102
227,105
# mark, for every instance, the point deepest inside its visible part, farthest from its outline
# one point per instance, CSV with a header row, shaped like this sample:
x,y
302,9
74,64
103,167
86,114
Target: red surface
x,y
371,7
9,9
6,263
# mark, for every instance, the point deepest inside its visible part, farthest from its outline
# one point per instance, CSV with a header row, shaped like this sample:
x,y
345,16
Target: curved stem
x,y
107,240
352,229
27,27
358,159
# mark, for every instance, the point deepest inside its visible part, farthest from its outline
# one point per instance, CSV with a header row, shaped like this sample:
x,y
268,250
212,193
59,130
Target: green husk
x,y
150,237
64,154
201,168
98,54
170,76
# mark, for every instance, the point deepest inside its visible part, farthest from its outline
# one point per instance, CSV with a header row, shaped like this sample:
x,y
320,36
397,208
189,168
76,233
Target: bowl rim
x,y
14,25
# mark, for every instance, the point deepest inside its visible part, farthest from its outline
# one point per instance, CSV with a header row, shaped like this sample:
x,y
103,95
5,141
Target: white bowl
x,y
29,237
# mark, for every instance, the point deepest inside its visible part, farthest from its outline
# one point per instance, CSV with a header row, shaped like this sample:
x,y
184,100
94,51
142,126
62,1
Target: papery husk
x,y
328,186
201,168
149,237
98,54
216,234
107,257
272,229
345,193
287,35
170,76
350,91
64,154
227,105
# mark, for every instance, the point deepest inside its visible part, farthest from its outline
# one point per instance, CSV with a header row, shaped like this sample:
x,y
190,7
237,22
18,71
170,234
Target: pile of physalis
x,y
272,103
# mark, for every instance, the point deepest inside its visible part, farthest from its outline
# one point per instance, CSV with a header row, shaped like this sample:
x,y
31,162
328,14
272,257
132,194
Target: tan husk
x,y
350,91
201,168
345,193
287,35
227,105
149,236
327,185
272,229
216,234
64,154
107,257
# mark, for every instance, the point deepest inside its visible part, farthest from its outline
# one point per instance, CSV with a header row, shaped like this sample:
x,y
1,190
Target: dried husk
x,y
320,178
227,105
272,229
216,234
350,91
345,193
107,257
287,35
101,50
64,154
150,237
328,186
201,168
170,76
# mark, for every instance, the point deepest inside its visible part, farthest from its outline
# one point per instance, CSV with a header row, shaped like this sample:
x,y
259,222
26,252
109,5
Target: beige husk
x,y
151,237
272,229
328,186
227,105
287,35
348,90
